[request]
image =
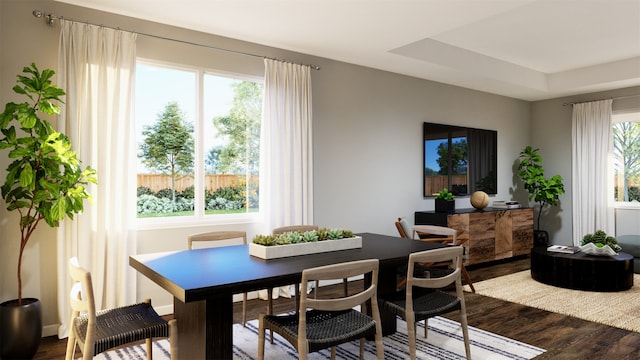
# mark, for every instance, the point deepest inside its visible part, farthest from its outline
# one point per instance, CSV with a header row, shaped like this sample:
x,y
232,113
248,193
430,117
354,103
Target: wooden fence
x,y
434,184
157,182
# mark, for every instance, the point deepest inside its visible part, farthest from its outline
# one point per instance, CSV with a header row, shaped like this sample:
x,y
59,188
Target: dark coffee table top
x,y
581,271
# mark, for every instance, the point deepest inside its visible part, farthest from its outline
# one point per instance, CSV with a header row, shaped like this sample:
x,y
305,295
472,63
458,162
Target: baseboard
x,y
50,330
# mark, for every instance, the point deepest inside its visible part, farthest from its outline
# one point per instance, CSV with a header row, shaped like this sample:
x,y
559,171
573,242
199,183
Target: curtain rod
x,y
51,18
612,98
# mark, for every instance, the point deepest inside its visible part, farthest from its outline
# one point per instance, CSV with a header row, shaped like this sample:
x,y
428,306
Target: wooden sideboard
x,y
491,234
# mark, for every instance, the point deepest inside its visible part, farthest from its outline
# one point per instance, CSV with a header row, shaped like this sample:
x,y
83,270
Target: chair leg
x,y
333,353
149,342
467,279
270,310
244,309
173,339
362,349
411,334
71,344
261,337
345,286
465,334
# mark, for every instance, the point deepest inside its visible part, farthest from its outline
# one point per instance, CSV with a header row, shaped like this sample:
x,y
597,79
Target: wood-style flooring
x,y
563,337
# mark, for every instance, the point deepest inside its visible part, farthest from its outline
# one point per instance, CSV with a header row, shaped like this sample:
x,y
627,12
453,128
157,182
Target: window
x,y
626,158
198,142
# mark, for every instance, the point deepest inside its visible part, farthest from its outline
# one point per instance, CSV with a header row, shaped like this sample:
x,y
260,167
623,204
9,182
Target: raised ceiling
x,y
526,49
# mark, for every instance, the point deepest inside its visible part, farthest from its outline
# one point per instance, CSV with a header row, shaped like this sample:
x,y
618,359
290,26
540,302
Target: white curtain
x,y
96,68
286,159
592,144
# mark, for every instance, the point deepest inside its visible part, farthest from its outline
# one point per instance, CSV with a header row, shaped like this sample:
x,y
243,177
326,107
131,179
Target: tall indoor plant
x,y
544,191
44,183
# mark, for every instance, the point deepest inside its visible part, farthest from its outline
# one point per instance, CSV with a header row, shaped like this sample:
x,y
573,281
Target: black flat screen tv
x,y
460,159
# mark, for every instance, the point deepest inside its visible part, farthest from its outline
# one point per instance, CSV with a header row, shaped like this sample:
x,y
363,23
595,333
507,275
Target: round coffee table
x,y
581,271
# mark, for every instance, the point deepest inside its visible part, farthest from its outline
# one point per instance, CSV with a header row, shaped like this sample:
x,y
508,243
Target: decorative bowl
x,y
592,249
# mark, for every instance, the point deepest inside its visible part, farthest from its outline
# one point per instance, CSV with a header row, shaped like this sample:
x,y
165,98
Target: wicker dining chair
x,y
324,322
217,236
98,331
435,233
423,297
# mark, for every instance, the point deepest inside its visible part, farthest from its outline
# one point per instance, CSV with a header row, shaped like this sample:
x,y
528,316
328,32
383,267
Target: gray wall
x,y
367,139
551,133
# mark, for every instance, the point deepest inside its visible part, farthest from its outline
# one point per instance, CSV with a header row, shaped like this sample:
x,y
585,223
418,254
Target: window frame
x,y
616,118
199,217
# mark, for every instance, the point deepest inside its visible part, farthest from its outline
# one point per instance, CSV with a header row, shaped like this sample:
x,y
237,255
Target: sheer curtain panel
x,y
96,68
592,144
286,159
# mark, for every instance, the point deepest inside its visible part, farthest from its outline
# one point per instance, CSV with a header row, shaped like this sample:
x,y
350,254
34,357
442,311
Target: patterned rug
x,y
618,309
444,342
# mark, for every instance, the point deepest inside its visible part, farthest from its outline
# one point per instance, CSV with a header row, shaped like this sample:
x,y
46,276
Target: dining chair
x,y
217,236
96,331
434,233
424,298
327,321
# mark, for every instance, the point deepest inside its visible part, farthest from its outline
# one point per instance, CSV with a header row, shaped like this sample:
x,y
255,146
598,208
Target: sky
x,y
157,86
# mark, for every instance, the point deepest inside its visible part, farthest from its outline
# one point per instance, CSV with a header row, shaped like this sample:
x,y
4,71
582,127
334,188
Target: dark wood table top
x,y
192,275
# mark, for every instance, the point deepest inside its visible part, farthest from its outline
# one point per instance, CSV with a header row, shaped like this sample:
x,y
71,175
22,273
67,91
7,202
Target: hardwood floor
x,y
563,337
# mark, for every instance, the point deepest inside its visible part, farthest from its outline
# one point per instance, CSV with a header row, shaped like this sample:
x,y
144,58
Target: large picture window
x,y
626,158
198,142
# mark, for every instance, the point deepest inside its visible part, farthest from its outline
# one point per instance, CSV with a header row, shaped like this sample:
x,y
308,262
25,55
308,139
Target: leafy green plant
x,y
45,180
601,239
445,194
296,237
545,192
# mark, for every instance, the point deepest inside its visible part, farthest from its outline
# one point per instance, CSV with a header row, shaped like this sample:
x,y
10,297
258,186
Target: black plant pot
x,y
20,328
445,206
540,238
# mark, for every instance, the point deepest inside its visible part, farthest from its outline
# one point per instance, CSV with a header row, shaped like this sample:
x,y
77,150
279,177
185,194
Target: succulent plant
x,y
295,237
599,238
265,240
335,234
310,236
323,234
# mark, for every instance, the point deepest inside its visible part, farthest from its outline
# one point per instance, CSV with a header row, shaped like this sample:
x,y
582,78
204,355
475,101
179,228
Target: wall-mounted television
x,y
460,159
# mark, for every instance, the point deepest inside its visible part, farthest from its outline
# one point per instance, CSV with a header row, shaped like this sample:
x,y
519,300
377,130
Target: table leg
x,y
205,328
387,285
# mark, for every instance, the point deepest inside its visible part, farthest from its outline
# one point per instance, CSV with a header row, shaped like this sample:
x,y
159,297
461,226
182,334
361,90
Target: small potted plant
x,y
445,201
545,192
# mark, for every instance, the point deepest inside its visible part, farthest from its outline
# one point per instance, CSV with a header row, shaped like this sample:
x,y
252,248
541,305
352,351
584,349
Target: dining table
x,y
203,282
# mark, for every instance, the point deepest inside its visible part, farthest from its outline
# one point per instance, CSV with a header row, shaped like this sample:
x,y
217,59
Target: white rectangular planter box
x,y
280,251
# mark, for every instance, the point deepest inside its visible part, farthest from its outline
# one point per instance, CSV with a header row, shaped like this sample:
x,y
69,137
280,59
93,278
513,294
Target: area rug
x,y
444,342
619,309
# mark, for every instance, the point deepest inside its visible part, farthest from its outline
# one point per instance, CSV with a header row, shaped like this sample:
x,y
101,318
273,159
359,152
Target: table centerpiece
x,y
296,243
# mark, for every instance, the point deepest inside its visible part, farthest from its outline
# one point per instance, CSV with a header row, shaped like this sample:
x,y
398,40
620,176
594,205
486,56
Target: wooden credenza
x,y
491,234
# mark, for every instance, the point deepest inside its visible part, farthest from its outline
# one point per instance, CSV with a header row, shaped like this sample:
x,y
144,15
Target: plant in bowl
x,y
445,201
599,243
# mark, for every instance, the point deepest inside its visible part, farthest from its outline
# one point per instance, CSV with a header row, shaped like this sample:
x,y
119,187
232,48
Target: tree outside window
x,y
626,152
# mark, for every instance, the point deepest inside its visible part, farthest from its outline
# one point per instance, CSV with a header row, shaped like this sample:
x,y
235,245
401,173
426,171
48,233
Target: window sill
x,y
193,221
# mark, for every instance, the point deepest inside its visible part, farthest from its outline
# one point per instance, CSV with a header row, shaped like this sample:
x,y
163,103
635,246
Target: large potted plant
x,y
45,184
544,191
